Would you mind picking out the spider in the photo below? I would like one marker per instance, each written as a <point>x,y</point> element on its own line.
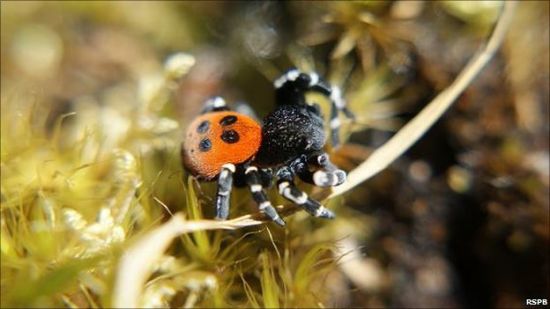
<point>234,149</point>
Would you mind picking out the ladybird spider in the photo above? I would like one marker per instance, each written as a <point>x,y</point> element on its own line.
<point>234,149</point>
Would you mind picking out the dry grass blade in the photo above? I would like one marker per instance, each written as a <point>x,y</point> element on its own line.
<point>133,269</point>
<point>414,129</point>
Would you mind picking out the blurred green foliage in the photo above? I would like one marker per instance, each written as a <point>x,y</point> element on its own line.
<point>95,95</point>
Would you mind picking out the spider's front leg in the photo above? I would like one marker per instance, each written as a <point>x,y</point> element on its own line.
<point>317,169</point>
<point>214,104</point>
<point>287,188</point>
<point>225,184</point>
<point>258,194</point>
<point>291,87</point>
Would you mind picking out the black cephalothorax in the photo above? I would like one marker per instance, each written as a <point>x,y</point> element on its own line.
<point>290,131</point>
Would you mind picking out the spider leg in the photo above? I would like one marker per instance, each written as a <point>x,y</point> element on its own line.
<point>258,194</point>
<point>214,104</point>
<point>291,87</point>
<point>321,172</point>
<point>334,124</point>
<point>245,108</point>
<point>225,183</point>
<point>288,190</point>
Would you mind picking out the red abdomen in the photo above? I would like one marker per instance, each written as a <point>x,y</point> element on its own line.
<point>217,138</point>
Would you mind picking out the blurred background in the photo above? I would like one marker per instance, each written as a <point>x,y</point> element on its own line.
<point>95,97</point>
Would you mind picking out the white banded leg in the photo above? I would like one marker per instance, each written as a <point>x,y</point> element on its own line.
<point>334,124</point>
<point>225,184</point>
<point>291,88</point>
<point>259,196</point>
<point>321,172</point>
<point>328,175</point>
<point>312,82</point>
<point>214,104</point>
<point>338,100</point>
<point>338,104</point>
<point>290,76</point>
<point>245,108</point>
<point>325,178</point>
<point>288,190</point>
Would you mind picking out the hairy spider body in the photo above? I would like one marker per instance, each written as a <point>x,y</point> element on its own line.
<point>288,132</point>
<point>232,148</point>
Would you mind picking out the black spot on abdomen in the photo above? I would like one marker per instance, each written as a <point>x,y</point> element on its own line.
<point>205,145</point>
<point>228,120</point>
<point>203,126</point>
<point>230,136</point>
